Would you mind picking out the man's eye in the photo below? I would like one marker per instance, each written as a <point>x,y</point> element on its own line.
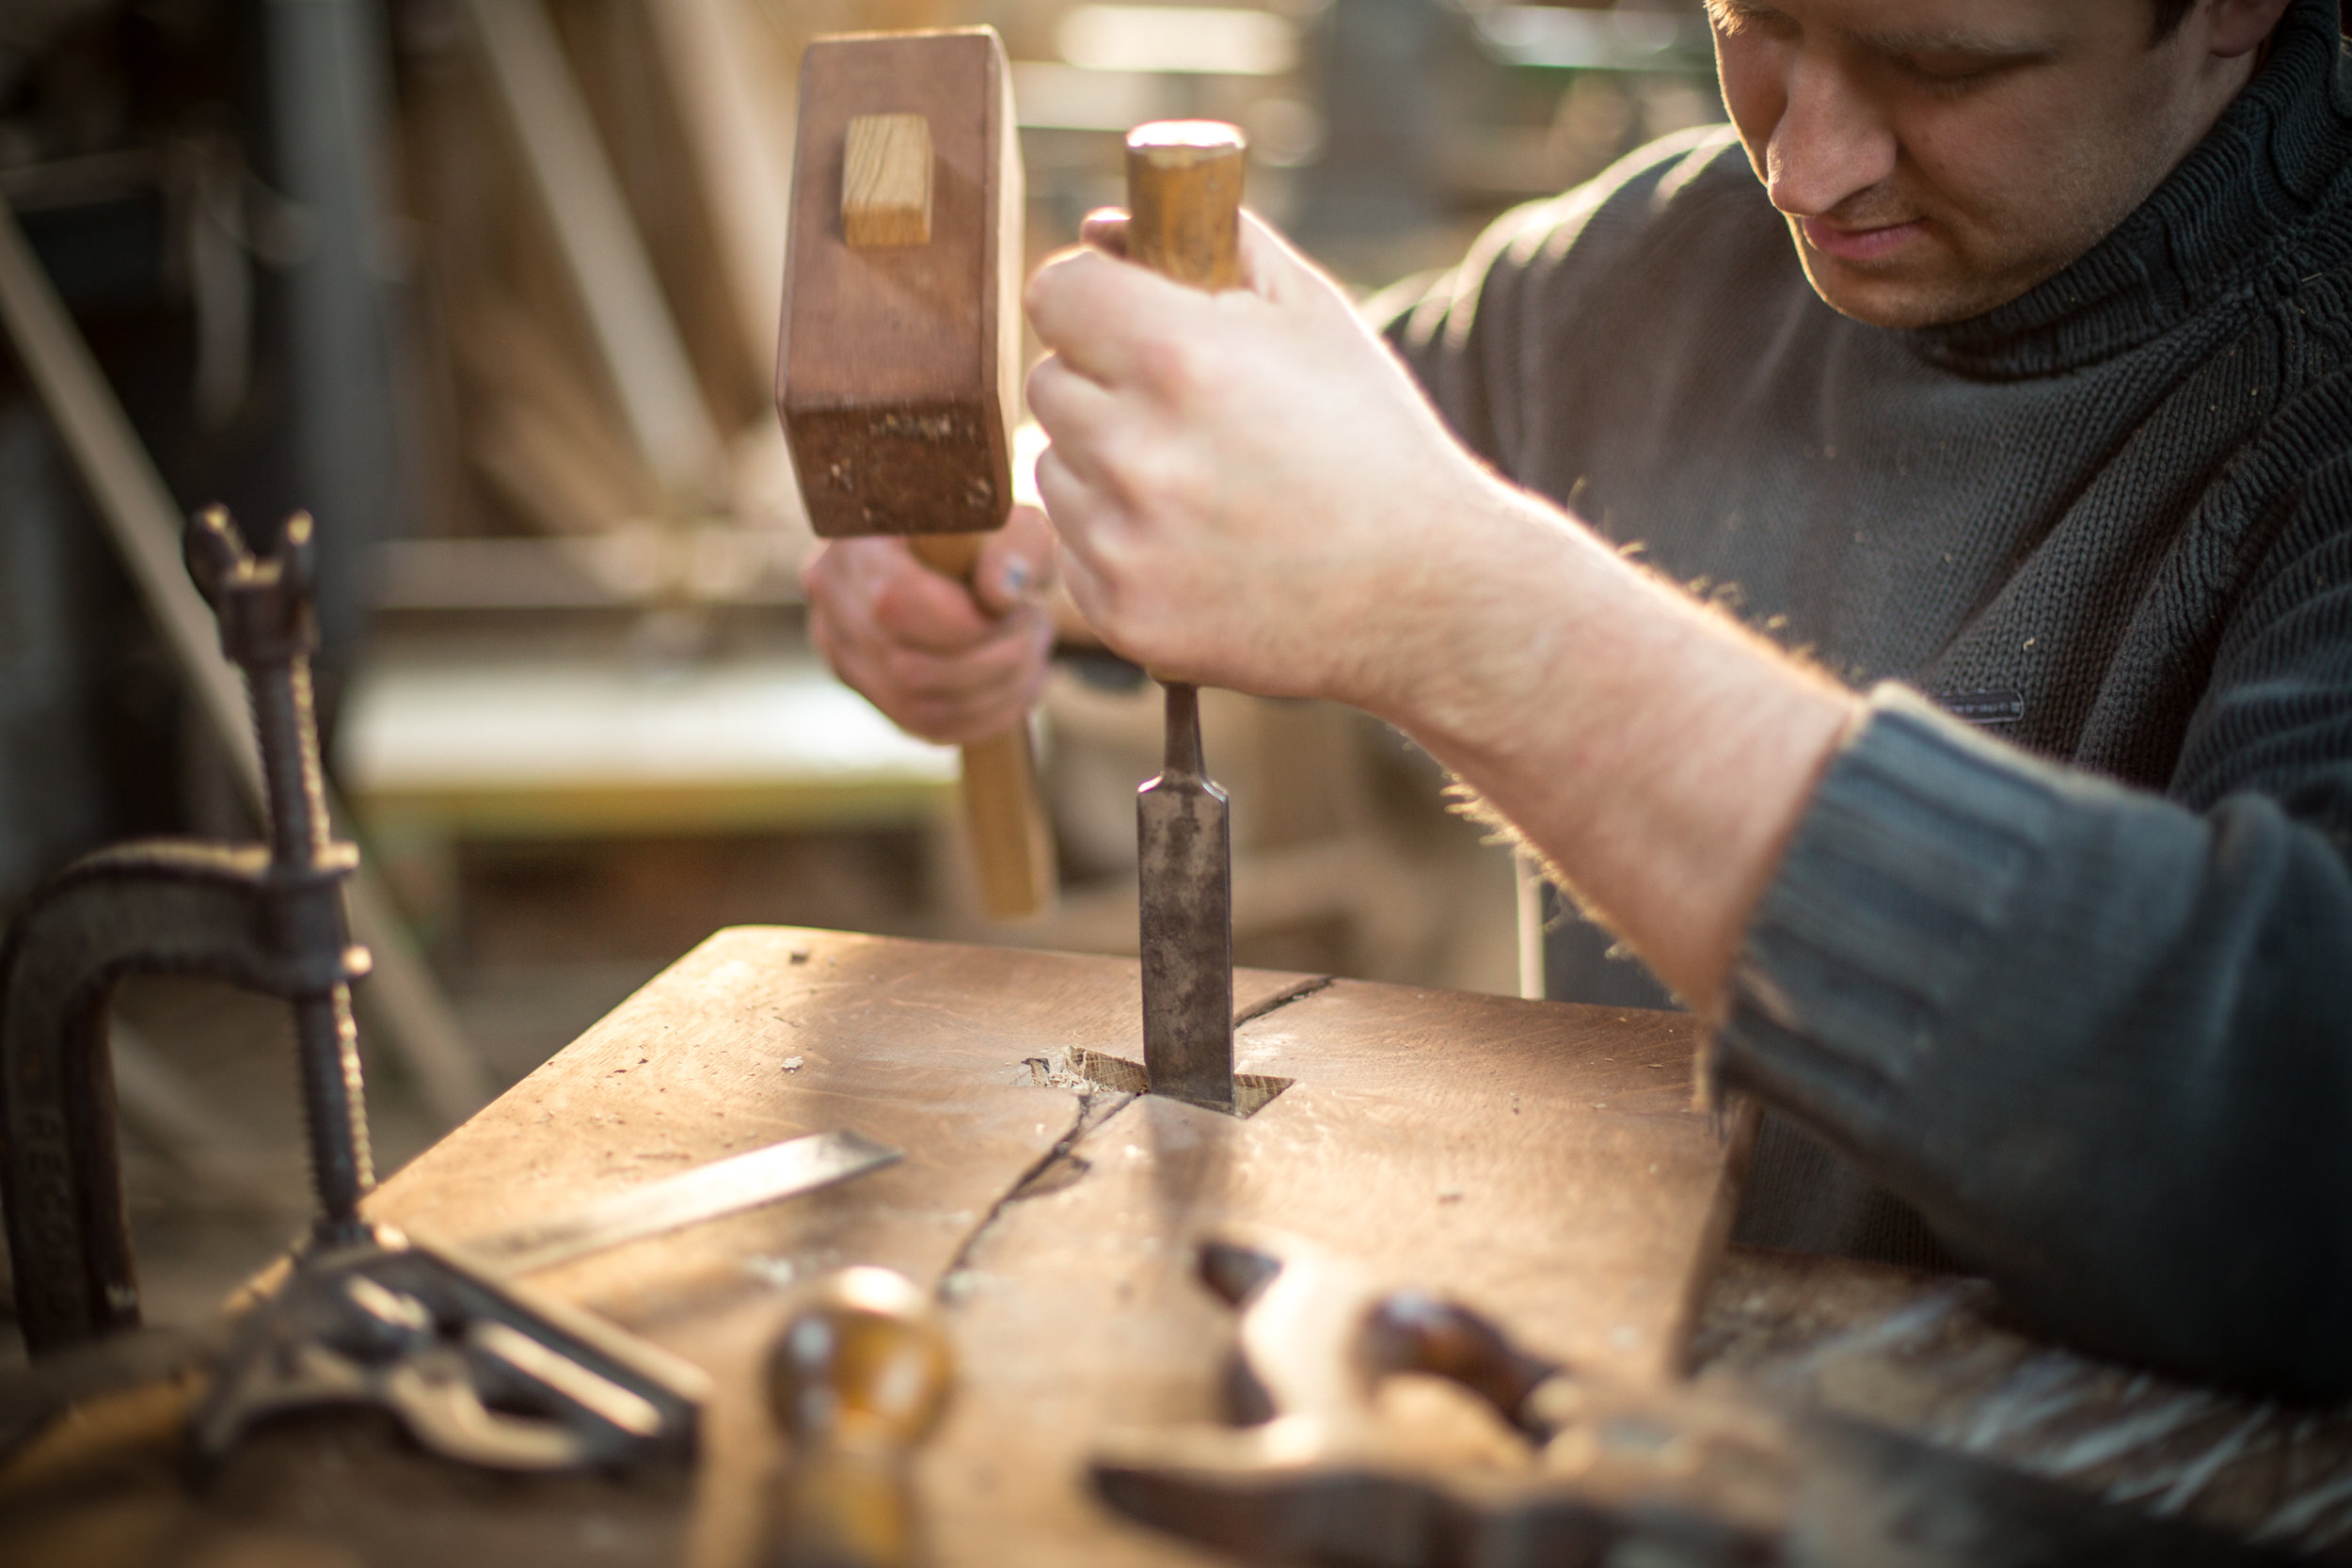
<point>1947,69</point>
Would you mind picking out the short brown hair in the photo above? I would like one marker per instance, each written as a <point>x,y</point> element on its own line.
<point>2169,15</point>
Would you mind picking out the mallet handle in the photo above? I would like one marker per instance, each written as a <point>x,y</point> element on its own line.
<point>1013,841</point>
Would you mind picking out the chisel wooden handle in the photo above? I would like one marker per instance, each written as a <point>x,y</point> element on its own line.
<point>1012,840</point>
<point>859,1378</point>
<point>1184,200</point>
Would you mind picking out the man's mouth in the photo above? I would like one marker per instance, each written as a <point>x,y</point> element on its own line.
<point>1859,243</point>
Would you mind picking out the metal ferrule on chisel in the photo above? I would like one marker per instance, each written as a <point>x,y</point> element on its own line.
<point>1186,843</point>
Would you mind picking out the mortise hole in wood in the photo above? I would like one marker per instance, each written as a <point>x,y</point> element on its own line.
<point>1086,1071</point>
<point>886,181</point>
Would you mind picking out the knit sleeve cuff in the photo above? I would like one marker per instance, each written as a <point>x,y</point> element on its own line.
<point>1889,904</point>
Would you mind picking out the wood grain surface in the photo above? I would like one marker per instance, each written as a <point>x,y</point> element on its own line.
<point>887,181</point>
<point>1184,200</point>
<point>1540,1160</point>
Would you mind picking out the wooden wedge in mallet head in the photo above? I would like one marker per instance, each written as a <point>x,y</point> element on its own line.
<point>897,371</point>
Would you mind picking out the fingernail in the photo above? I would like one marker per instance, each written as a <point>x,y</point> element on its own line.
<point>1018,576</point>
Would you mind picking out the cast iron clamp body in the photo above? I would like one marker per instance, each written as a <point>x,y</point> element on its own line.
<point>476,1368</point>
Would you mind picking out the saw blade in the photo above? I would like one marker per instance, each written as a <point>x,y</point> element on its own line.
<point>723,1187</point>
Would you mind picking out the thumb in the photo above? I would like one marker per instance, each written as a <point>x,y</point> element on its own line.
<point>1017,565</point>
<point>1106,229</point>
<point>1276,269</point>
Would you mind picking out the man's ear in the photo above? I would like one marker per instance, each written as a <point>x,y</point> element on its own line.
<point>2235,27</point>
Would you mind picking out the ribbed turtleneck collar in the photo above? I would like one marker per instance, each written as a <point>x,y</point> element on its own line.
<point>2261,170</point>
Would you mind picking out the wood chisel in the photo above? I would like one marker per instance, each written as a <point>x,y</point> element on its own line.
<point>898,371</point>
<point>1184,203</point>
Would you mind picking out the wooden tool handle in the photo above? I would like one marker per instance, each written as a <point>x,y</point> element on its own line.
<point>1012,840</point>
<point>1184,200</point>
<point>1183,205</point>
<point>858,1380</point>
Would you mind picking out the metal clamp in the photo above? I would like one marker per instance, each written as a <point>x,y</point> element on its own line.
<point>478,1370</point>
<point>268,918</point>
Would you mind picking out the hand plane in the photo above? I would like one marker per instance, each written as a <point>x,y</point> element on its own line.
<point>1311,1469</point>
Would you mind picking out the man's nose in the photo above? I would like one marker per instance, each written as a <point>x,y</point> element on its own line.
<point>1832,142</point>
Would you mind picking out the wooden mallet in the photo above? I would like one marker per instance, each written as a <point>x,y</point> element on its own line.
<point>899,367</point>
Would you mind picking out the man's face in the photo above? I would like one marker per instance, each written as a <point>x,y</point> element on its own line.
<point>1936,158</point>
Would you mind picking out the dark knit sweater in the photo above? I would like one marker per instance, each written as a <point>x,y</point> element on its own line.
<point>2076,984</point>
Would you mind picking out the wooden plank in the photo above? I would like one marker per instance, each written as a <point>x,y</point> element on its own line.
<point>919,1045</point>
<point>732,99</point>
<point>1542,1160</point>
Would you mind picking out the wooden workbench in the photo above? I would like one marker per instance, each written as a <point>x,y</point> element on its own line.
<point>1542,1160</point>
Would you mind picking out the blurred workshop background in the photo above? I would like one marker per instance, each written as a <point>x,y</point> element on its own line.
<point>491,288</point>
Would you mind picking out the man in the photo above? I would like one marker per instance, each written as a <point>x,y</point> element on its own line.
<point>2046,412</point>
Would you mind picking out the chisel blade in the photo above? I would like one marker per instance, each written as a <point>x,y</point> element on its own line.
<point>723,1187</point>
<point>1186,864</point>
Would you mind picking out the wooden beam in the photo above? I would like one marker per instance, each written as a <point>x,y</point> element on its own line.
<point>635,333</point>
<point>735,106</point>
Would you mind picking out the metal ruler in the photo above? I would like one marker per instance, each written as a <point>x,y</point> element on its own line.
<point>723,1187</point>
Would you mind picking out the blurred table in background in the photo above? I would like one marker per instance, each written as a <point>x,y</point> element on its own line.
<point>575,748</point>
<point>435,749</point>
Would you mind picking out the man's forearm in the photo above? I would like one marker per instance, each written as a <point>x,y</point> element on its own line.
<point>1656,753</point>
